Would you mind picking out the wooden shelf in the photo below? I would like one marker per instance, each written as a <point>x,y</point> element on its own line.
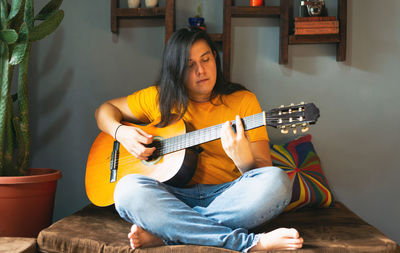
<point>338,39</point>
<point>231,11</point>
<point>261,11</point>
<point>286,23</point>
<point>314,39</point>
<point>167,13</point>
<point>285,14</point>
<point>156,12</point>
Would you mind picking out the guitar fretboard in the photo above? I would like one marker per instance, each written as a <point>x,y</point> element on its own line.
<point>204,135</point>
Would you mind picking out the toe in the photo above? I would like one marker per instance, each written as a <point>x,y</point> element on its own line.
<point>134,228</point>
<point>132,244</point>
<point>293,233</point>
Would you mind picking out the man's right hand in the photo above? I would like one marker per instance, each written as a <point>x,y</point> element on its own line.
<point>134,140</point>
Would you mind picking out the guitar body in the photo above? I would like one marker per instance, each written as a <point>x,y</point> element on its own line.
<point>173,161</point>
<point>175,168</point>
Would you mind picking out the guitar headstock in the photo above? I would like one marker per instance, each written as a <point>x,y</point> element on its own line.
<point>293,116</point>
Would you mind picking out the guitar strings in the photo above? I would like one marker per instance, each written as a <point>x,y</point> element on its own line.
<point>161,150</point>
<point>180,142</point>
<point>176,143</point>
<point>198,137</point>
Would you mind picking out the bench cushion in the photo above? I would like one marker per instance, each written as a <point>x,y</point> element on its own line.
<point>96,229</point>
<point>300,161</point>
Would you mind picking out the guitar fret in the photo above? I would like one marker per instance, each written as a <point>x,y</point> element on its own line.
<point>180,142</point>
<point>192,139</point>
<point>196,137</point>
<point>187,140</point>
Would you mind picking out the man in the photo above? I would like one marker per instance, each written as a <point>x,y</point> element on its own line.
<point>234,188</point>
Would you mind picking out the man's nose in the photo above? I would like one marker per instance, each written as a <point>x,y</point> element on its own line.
<point>200,69</point>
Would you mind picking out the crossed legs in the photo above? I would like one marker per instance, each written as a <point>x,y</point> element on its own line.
<point>161,216</point>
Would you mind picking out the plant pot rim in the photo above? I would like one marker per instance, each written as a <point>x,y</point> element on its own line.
<point>36,175</point>
<point>196,18</point>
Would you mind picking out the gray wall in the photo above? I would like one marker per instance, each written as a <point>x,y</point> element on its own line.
<point>83,64</point>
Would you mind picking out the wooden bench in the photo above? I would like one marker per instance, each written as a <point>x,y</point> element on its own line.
<point>95,229</point>
<point>17,245</point>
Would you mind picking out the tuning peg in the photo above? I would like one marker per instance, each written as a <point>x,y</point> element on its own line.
<point>284,130</point>
<point>302,103</point>
<point>292,104</point>
<point>294,130</point>
<point>282,106</point>
<point>304,129</point>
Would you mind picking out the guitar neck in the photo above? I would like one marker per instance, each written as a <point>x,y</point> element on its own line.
<point>206,134</point>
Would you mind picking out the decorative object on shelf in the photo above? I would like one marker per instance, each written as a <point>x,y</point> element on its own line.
<point>151,3</point>
<point>197,20</point>
<point>316,25</point>
<point>312,8</point>
<point>134,3</point>
<point>24,211</point>
<point>256,2</point>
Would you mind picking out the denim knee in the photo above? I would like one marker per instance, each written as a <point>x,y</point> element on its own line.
<point>130,192</point>
<point>272,187</point>
<point>282,185</point>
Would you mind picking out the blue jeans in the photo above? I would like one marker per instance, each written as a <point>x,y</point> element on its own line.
<point>212,215</point>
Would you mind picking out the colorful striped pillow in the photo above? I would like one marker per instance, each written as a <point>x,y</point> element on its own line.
<point>300,161</point>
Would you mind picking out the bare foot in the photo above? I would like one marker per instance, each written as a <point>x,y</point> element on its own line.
<point>281,238</point>
<point>138,237</point>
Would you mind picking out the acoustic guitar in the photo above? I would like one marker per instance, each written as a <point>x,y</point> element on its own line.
<point>175,157</point>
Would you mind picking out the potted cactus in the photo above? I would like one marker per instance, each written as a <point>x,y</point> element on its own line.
<point>34,187</point>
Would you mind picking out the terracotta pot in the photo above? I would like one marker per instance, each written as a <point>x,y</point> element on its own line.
<point>27,202</point>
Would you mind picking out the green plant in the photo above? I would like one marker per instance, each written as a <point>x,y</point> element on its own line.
<point>198,9</point>
<point>17,32</point>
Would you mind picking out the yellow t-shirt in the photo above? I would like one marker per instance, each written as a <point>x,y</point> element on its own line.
<point>213,166</point>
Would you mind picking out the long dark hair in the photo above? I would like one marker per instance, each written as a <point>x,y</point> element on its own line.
<point>172,93</point>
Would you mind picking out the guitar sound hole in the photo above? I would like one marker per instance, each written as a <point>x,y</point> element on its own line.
<point>156,156</point>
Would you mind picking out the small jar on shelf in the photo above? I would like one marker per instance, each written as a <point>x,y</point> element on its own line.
<point>133,3</point>
<point>151,3</point>
<point>256,3</point>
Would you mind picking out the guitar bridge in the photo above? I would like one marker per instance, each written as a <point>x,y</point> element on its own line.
<point>114,162</point>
